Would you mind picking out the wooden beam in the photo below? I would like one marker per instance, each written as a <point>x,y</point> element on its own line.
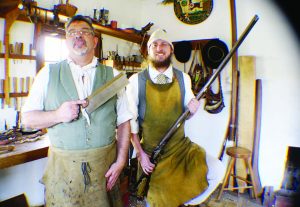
<point>234,72</point>
<point>45,15</point>
<point>8,5</point>
<point>246,109</point>
<point>257,128</point>
<point>9,20</point>
<point>38,45</point>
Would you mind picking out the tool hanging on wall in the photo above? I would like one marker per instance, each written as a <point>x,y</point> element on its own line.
<point>214,101</point>
<point>196,71</point>
<point>200,69</point>
<point>214,51</point>
<point>191,70</point>
<point>200,73</point>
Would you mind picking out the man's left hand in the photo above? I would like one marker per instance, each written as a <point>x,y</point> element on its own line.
<point>193,105</point>
<point>112,175</point>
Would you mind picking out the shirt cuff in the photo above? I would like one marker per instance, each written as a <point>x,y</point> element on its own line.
<point>134,126</point>
<point>125,116</point>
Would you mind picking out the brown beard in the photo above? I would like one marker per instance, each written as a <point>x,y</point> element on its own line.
<point>160,64</point>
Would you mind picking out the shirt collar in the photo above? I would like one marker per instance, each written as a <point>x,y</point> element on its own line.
<point>93,64</point>
<point>153,72</point>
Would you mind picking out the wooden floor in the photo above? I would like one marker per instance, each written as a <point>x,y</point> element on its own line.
<point>229,199</point>
<point>233,199</point>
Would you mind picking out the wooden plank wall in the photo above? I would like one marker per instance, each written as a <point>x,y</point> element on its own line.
<point>246,109</point>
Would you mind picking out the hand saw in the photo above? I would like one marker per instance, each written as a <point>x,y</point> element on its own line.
<point>105,92</point>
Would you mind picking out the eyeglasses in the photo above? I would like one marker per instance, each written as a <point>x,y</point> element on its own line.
<point>154,45</point>
<point>84,32</point>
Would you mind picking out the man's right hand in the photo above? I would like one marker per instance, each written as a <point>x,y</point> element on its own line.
<point>69,110</point>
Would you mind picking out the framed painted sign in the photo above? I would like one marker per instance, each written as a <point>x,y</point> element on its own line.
<point>193,11</point>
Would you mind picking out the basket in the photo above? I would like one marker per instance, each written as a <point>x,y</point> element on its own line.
<point>66,9</point>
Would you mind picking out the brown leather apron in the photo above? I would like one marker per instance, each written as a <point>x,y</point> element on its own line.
<point>75,178</point>
<point>180,174</point>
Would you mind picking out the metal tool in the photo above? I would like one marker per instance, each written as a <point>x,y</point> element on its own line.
<point>105,92</point>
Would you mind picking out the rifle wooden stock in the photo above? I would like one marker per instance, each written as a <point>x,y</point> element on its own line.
<point>145,179</point>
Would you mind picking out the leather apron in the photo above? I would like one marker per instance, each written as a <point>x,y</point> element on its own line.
<point>66,178</point>
<point>181,172</point>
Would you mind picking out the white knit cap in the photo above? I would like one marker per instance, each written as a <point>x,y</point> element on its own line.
<point>159,34</point>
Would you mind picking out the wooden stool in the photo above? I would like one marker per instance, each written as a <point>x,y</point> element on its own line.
<point>235,153</point>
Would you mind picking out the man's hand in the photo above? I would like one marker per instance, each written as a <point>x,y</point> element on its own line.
<point>145,163</point>
<point>69,110</point>
<point>112,175</point>
<point>116,168</point>
<point>39,119</point>
<point>193,105</point>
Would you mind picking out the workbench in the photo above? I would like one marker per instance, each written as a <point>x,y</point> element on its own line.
<point>25,152</point>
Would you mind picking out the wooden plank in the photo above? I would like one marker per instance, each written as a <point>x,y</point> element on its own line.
<point>38,45</point>
<point>234,76</point>
<point>256,141</point>
<point>232,127</point>
<point>246,110</point>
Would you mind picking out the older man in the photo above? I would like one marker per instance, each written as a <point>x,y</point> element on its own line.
<point>85,158</point>
<point>159,95</point>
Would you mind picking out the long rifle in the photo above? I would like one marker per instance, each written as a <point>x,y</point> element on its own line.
<point>142,184</point>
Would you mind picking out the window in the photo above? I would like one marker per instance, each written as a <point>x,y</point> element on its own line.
<point>55,49</point>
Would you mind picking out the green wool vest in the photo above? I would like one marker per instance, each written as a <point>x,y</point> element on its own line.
<point>77,134</point>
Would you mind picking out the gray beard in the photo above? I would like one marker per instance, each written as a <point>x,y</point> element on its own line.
<point>81,52</point>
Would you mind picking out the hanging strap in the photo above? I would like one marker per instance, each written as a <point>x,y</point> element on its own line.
<point>191,70</point>
<point>214,101</point>
<point>86,169</point>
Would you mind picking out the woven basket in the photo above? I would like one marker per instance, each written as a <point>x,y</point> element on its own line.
<point>66,9</point>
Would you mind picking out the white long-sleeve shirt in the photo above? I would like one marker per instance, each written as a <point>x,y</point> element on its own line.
<point>38,91</point>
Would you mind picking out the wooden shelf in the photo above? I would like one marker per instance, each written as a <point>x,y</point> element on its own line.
<point>14,95</point>
<point>134,66</point>
<point>46,15</point>
<point>21,57</point>
<point>119,33</point>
